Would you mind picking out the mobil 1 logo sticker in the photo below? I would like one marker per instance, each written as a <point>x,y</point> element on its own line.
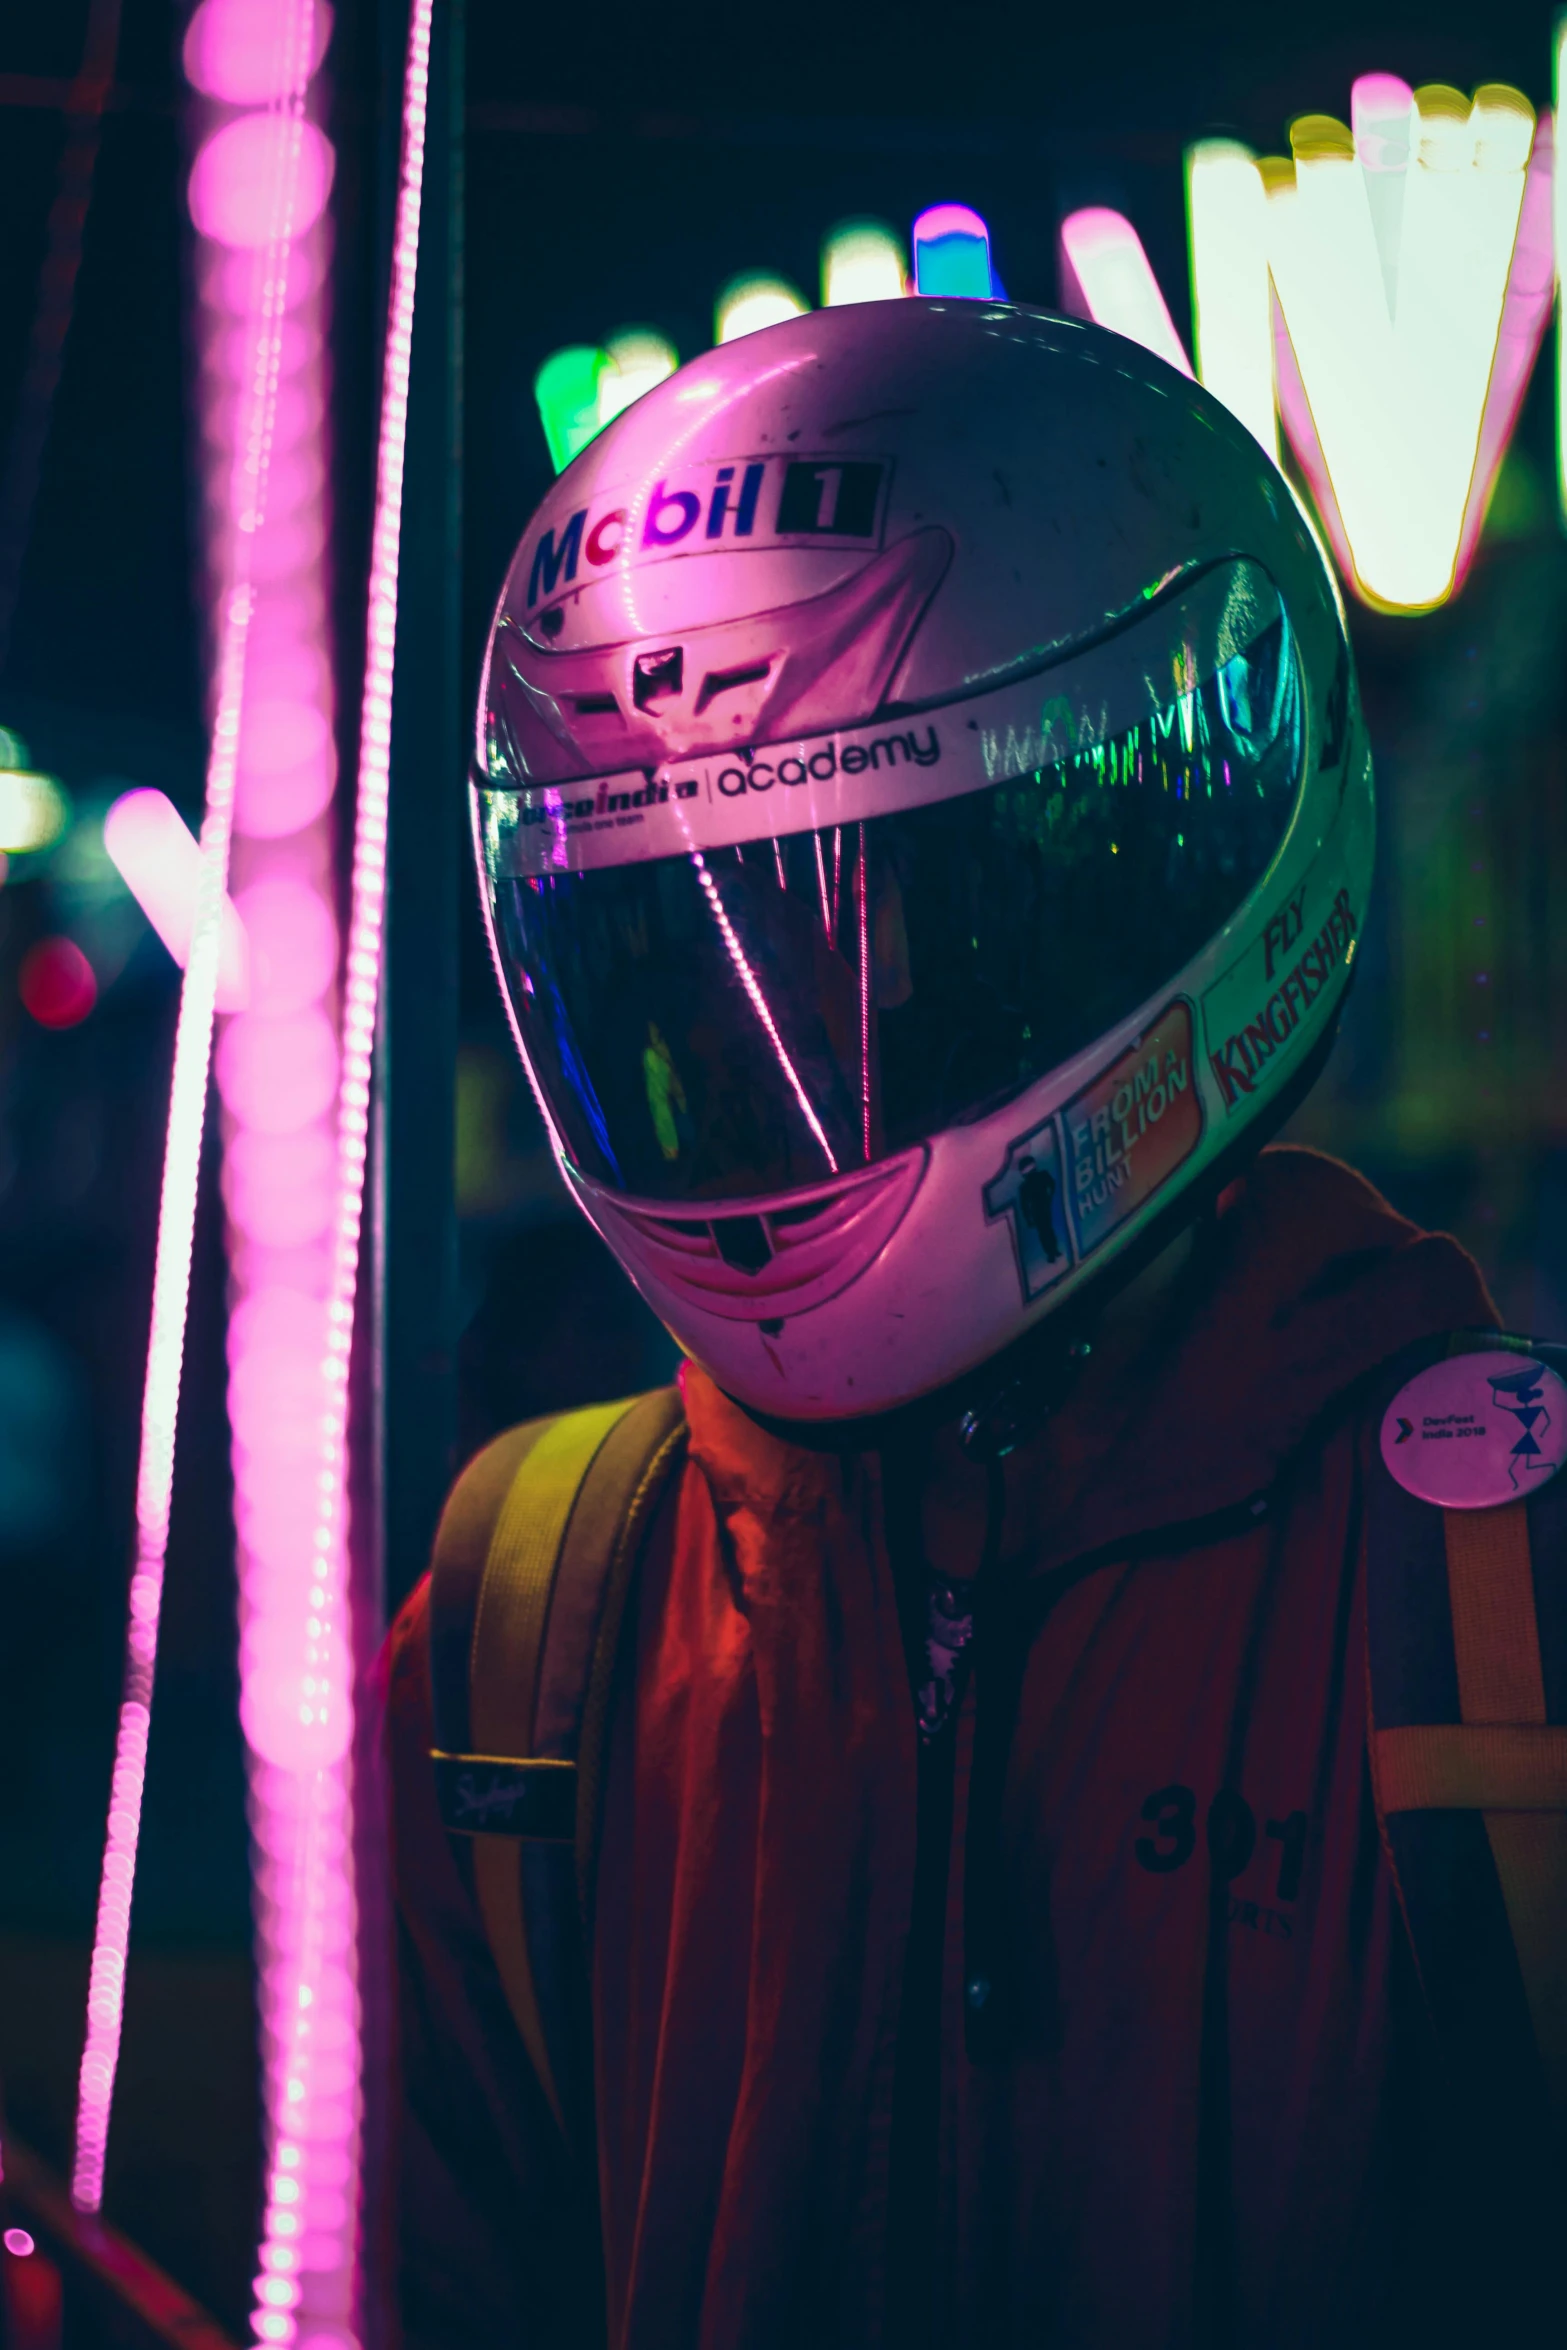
<point>714,506</point>
<point>832,497</point>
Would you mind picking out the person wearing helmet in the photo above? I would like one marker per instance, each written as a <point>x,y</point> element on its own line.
<point>925,827</point>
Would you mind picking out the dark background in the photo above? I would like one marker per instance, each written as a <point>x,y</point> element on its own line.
<point>621,165</point>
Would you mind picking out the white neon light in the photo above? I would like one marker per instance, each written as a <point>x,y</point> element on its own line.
<point>862,261</point>
<point>1394,302</point>
<point>34,811</point>
<point>1232,298</point>
<point>159,860</point>
<point>754,301</point>
<point>273,204</point>
<point>1382,127</point>
<point>1110,279</point>
<point>637,359</point>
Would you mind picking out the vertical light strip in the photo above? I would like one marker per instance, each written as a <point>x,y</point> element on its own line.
<point>274,194</point>
<point>313,2062</point>
<point>277,1068</point>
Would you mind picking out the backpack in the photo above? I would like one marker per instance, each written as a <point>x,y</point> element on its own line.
<point>536,1555</point>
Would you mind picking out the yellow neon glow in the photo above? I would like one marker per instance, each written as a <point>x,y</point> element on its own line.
<point>1232,299</point>
<point>635,360</point>
<point>34,811</point>
<point>1559,203</point>
<point>1390,248</point>
<point>1105,254</point>
<point>862,261</point>
<point>753,301</point>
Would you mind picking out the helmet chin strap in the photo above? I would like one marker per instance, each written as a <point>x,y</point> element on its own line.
<point>1004,1400</point>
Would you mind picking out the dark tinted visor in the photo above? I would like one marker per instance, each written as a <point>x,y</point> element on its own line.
<point>737,1021</point>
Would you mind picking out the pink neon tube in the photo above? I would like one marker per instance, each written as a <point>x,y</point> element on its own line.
<point>295,1098</point>
<point>274,194</point>
<point>313,2179</point>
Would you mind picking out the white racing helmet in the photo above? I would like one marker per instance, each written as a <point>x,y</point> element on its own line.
<point>925,823</point>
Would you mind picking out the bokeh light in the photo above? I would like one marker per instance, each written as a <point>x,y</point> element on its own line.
<point>566,392</point>
<point>34,811</point>
<point>1106,276</point>
<point>158,859</point>
<point>755,300</point>
<point>635,360</point>
<point>862,261</point>
<point>234,49</point>
<point>261,284</point>
<point>234,175</point>
<point>57,983</point>
<point>952,254</point>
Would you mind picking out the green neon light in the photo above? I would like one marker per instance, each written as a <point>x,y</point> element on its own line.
<point>567,391</point>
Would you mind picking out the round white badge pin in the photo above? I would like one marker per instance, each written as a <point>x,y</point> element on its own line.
<point>1477,1430</point>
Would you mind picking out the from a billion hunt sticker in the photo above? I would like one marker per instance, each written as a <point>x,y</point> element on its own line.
<point>1477,1430</point>
<point>1131,1128</point>
<point>1071,1180</point>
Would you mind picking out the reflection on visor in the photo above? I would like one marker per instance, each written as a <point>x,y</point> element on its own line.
<point>739,1021</point>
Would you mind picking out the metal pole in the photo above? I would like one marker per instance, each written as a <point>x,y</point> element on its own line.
<point>410,1381</point>
<point>415,1233</point>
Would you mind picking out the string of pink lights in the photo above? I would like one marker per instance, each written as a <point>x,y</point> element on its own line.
<point>277,1073</point>
<point>276,196</point>
<point>295,1112</point>
<point>314,2047</point>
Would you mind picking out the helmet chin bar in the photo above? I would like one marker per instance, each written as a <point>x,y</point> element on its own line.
<point>1000,1402</point>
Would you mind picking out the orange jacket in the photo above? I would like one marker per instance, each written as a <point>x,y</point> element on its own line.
<point>1194,2128</point>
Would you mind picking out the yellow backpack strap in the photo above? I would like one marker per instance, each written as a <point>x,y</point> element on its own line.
<point>1503,1757</point>
<point>533,1561</point>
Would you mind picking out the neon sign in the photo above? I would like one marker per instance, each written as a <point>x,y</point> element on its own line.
<point>1383,291</point>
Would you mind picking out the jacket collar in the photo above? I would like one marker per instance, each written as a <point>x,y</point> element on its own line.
<point>1302,1286</point>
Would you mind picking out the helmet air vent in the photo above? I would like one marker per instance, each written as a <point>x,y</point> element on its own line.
<point>723,681</point>
<point>742,1242</point>
<point>779,1257</point>
<point>653,675</point>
